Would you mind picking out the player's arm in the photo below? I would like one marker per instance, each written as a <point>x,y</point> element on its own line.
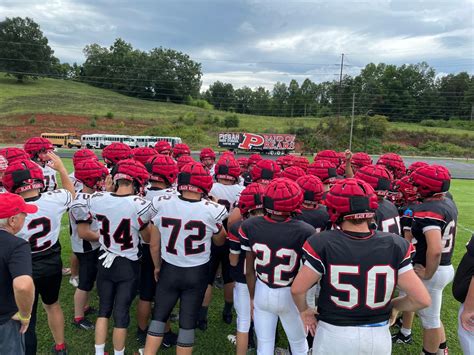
<point>58,165</point>
<point>219,237</point>
<point>155,249</point>
<point>234,216</point>
<point>417,296</point>
<point>85,232</point>
<point>147,231</point>
<point>250,275</point>
<point>305,279</point>
<point>467,315</point>
<point>433,253</point>
<point>348,168</point>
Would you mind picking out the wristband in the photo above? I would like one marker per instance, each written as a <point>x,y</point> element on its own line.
<point>23,319</point>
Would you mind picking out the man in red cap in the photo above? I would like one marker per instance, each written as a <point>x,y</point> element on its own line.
<point>17,291</point>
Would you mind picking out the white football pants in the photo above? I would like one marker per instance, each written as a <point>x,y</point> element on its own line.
<point>465,338</point>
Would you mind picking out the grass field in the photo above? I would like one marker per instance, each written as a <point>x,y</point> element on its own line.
<point>214,340</point>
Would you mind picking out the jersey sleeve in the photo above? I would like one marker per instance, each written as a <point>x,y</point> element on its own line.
<point>80,211</point>
<point>312,251</point>
<point>233,238</point>
<point>406,253</point>
<point>145,211</point>
<point>243,237</point>
<point>62,197</point>
<point>218,213</point>
<point>429,220</point>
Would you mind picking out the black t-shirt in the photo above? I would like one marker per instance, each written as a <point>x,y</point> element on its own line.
<point>435,214</point>
<point>278,247</point>
<point>359,272</point>
<point>236,272</point>
<point>464,273</point>
<point>317,217</point>
<point>15,260</point>
<point>387,218</point>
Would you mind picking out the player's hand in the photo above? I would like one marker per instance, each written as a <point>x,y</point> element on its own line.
<point>55,162</point>
<point>467,320</point>
<point>348,155</point>
<point>109,183</point>
<point>420,271</point>
<point>157,273</point>
<point>308,317</point>
<point>393,316</point>
<point>24,322</point>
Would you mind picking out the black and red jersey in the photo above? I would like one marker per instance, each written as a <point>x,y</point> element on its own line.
<point>278,247</point>
<point>236,272</point>
<point>464,273</point>
<point>317,217</point>
<point>439,214</point>
<point>359,272</point>
<point>387,218</point>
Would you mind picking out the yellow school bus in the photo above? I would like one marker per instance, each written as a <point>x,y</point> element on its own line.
<point>62,139</point>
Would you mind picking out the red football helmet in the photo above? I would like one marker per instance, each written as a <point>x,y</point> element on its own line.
<point>183,160</point>
<point>181,149</point>
<point>324,170</point>
<point>36,147</point>
<point>91,173</point>
<point>207,153</point>
<point>163,147</point>
<point>282,196</point>
<point>3,164</point>
<point>293,173</point>
<point>376,176</point>
<point>351,199</point>
<point>329,155</point>
<point>13,154</point>
<point>301,162</point>
<point>132,170</point>
<point>264,171</point>
<point>405,192</point>
<point>194,177</point>
<point>313,189</point>
<point>227,168</point>
<point>115,152</point>
<point>254,159</point>
<point>162,168</point>
<point>23,175</point>
<point>251,198</point>
<point>430,180</point>
<point>394,163</point>
<point>359,160</point>
<point>81,155</point>
<point>341,169</point>
<point>416,165</point>
<point>143,154</point>
<point>244,164</point>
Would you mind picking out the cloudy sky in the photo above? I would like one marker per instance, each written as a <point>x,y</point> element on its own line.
<point>251,42</point>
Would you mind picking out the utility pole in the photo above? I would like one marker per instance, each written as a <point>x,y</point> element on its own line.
<point>340,88</point>
<point>352,121</point>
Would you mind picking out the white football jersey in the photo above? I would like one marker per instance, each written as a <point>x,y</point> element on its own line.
<point>151,193</point>
<point>187,228</point>
<point>120,220</point>
<point>50,181</point>
<point>78,186</point>
<point>41,229</point>
<point>227,195</point>
<point>79,212</point>
<point>212,170</point>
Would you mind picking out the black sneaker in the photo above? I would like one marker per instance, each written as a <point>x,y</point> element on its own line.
<point>399,338</point>
<point>398,323</point>
<point>58,352</point>
<point>174,317</point>
<point>169,339</point>
<point>227,317</point>
<point>84,324</point>
<point>141,337</point>
<point>202,324</point>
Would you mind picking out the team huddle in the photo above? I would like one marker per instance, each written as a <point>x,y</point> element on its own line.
<point>337,250</point>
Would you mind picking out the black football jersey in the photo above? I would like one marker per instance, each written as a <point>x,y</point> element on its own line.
<point>387,218</point>
<point>236,272</point>
<point>278,247</point>
<point>464,273</point>
<point>359,272</point>
<point>436,214</point>
<point>317,217</point>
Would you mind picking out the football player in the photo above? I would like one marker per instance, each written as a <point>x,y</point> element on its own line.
<point>180,149</point>
<point>358,269</point>
<point>225,191</point>
<point>245,178</point>
<point>253,160</point>
<point>359,160</point>
<point>463,291</point>
<point>163,173</point>
<point>84,235</point>
<point>386,215</point>
<point>208,159</point>
<point>416,165</point>
<point>394,163</point>
<point>12,154</point>
<point>183,160</point>
<point>312,211</point>
<point>120,232</point>
<point>325,171</point>
<point>181,253</point>
<point>434,229</point>
<point>301,162</point>
<point>3,167</point>
<point>293,173</point>
<point>41,230</point>
<point>250,205</point>
<point>329,155</point>
<point>38,149</point>
<point>273,245</point>
<point>163,147</point>
<point>115,152</point>
<point>143,154</point>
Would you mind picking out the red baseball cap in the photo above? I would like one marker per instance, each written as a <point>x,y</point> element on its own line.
<point>12,204</point>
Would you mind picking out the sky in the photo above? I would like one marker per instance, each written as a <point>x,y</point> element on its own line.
<point>257,43</point>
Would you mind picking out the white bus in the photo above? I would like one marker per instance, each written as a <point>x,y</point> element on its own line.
<point>100,141</point>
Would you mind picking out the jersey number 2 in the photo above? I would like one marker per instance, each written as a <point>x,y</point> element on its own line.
<point>45,223</point>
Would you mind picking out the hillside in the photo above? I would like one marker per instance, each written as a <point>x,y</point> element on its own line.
<point>59,105</point>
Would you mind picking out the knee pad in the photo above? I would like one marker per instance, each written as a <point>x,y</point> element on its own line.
<point>156,328</point>
<point>185,337</point>
<point>243,324</point>
<point>429,321</point>
<point>104,311</point>
<point>121,317</point>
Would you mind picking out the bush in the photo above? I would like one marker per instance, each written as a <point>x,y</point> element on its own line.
<point>212,120</point>
<point>93,122</point>
<point>109,115</point>
<point>32,120</point>
<point>429,123</point>
<point>231,121</point>
<point>95,117</point>
<point>121,124</point>
<point>199,103</point>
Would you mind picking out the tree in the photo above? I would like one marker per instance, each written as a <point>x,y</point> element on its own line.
<point>221,95</point>
<point>294,96</point>
<point>243,100</point>
<point>280,99</point>
<point>24,49</point>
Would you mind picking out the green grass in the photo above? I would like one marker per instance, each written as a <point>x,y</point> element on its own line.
<point>404,126</point>
<point>214,340</point>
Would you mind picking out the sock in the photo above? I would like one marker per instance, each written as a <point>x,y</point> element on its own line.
<point>99,349</point>
<point>425,352</point>
<point>119,352</point>
<point>406,332</point>
<point>60,347</point>
<point>203,313</point>
<point>78,319</point>
<point>443,346</point>
<point>228,307</point>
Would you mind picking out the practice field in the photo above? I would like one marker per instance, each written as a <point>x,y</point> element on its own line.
<point>214,340</point>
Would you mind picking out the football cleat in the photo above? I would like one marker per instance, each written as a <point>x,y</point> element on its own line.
<point>83,324</point>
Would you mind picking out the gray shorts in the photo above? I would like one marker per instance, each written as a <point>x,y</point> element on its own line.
<point>11,341</point>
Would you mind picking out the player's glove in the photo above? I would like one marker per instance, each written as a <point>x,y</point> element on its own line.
<point>108,259</point>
